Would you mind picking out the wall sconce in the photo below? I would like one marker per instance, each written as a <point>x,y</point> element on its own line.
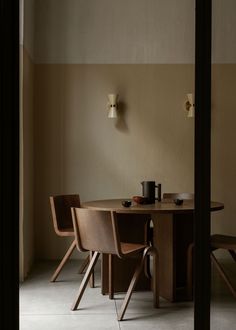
<point>112,105</point>
<point>189,105</point>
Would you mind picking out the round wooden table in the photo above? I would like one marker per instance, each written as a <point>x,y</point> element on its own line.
<point>165,206</point>
<point>172,234</point>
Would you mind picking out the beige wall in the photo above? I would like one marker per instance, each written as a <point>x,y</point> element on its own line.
<point>223,146</point>
<point>79,149</point>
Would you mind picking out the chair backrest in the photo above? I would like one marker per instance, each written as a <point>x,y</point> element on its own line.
<point>61,211</point>
<point>96,231</point>
<point>178,195</point>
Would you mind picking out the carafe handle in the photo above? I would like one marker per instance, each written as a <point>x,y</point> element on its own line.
<point>158,186</point>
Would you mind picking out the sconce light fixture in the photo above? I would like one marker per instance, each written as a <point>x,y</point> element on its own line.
<point>112,105</point>
<point>189,105</point>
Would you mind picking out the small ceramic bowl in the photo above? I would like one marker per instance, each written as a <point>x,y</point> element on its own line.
<point>178,201</point>
<point>126,203</point>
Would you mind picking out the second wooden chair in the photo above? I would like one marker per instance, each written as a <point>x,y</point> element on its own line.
<point>218,241</point>
<point>63,226</point>
<point>185,196</point>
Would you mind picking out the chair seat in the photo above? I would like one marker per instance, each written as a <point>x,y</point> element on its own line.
<point>69,230</point>
<point>129,248</point>
<point>223,242</point>
<point>66,232</point>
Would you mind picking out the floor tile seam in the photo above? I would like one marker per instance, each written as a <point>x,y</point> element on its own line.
<point>97,313</point>
<point>64,314</point>
<point>116,308</point>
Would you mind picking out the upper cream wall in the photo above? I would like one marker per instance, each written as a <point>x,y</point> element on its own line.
<point>28,14</point>
<point>114,31</point>
<point>128,31</point>
<point>224,31</point>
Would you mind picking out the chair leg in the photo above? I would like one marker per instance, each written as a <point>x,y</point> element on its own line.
<point>149,241</point>
<point>223,275</point>
<point>85,280</point>
<point>91,279</point>
<point>111,274</point>
<point>190,272</point>
<point>84,265</point>
<point>132,284</point>
<point>155,278</point>
<point>62,263</point>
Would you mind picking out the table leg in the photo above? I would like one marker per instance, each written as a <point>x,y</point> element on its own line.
<point>172,235</point>
<point>163,241</point>
<point>132,228</point>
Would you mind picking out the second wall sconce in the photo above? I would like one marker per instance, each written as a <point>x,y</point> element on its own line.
<point>112,105</point>
<point>189,105</point>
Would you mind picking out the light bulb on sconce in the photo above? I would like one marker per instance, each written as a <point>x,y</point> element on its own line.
<point>189,105</point>
<point>112,105</point>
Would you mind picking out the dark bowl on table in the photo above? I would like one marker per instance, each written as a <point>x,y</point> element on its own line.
<point>126,203</point>
<point>178,201</point>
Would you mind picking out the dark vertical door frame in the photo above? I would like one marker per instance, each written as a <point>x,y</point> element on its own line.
<point>9,164</point>
<point>202,177</point>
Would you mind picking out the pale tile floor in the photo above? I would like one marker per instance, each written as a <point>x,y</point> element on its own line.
<point>45,305</point>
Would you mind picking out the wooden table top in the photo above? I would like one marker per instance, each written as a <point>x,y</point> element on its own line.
<point>165,206</point>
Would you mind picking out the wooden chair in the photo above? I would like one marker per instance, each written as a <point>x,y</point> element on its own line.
<point>185,196</point>
<point>217,242</point>
<point>63,226</point>
<point>97,231</point>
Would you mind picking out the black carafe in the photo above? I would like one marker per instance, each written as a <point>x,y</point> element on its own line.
<point>149,191</point>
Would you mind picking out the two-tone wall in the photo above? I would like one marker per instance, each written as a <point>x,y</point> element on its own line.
<point>144,51</point>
